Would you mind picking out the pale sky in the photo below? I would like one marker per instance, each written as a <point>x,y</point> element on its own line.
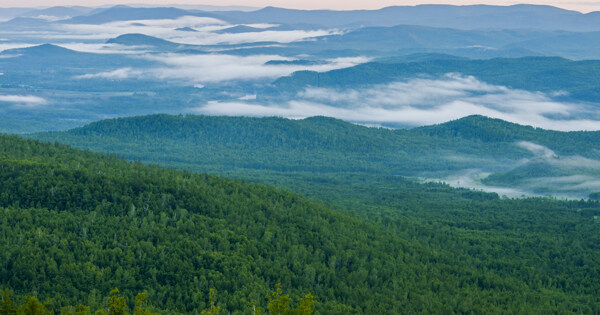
<point>578,5</point>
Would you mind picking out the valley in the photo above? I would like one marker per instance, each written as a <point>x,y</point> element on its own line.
<point>206,159</point>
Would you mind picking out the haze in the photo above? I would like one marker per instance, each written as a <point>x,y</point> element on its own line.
<point>582,6</point>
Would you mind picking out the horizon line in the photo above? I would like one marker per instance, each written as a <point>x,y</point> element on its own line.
<point>256,8</point>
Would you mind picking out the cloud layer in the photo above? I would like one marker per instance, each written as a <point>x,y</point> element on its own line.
<point>23,101</point>
<point>420,102</point>
<point>206,31</point>
<point>210,68</point>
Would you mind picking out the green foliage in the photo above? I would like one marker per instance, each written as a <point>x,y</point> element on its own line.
<point>305,305</point>
<point>213,310</point>
<point>141,305</point>
<point>117,305</point>
<point>7,307</point>
<point>236,146</point>
<point>31,306</point>
<point>34,307</point>
<point>79,309</point>
<point>75,223</point>
<point>279,304</point>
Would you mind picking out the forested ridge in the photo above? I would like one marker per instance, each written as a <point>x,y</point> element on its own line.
<point>76,224</point>
<point>547,74</point>
<point>254,148</point>
<point>316,143</point>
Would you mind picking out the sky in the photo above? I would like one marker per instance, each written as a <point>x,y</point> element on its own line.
<point>578,5</point>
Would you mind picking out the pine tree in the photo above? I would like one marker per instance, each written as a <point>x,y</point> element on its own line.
<point>214,310</point>
<point>117,305</point>
<point>7,307</point>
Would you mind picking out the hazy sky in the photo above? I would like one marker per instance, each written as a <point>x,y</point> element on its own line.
<point>579,5</point>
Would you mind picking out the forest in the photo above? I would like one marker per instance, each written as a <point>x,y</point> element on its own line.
<point>271,150</point>
<point>123,192</point>
<point>77,224</point>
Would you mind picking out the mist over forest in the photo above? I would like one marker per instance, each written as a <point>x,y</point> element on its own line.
<point>193,159</point>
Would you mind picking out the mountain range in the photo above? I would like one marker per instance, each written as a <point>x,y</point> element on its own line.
<point>445,16</point>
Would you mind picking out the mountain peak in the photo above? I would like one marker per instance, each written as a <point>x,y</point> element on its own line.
<point>137,39</point>
<point>479,127</point>
<point>186,29</point>
<point>40,50</point>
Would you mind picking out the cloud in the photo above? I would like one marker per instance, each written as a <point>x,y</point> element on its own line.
<point>52,18</point>
<point>211,68</point>
<point>7,46</point>
<point>247,97</point>
<point>581,174</point>
<point>163,28</point>
<point>118,74</point>
<point>166,29</point>
<point>471,179</point>
<point>23,100</point>
<point>420,101</point>
<point>570,186</point>
<point>100,48</point>
<point>210,38</point>
<point>549,156</point>
<point>536,149</point>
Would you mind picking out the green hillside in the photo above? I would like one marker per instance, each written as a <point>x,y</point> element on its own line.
<point>271,150</point>
<point>76,224</point>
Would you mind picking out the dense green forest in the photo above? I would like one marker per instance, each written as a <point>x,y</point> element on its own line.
<point>115,304</point>
<point>270,150</point>
<point>76,224</point>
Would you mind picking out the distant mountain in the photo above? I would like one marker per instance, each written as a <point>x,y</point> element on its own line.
<point>459,17</point>
<point>200,7</point>
<point>125,13</point>
<point>240,29</point>
<point>10,13</point>
<point>45,50</point>
<point>410,36</point>
<point>24,23</point>
<point>418,57</point>
<point>406,39</point>
<point>571,45</point>
<point>186,29</point>
<point>302,62</point>
<point>547,74</point>
<point>63,61</point>
<point>143,40</point>
<point>58,12</point>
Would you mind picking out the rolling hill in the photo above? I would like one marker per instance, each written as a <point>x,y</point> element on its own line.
<point>77,224</point>
<point>545,74</point>
<point>248,147</point>
<point>403,247</point>
<point>143,40</point>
